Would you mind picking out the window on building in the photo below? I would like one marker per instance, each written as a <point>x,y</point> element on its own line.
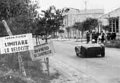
<point>110,23</point>
<point>117,25</point>
<point>114,24</point>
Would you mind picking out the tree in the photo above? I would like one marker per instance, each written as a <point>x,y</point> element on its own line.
<point>68,31</point>
<point>54,18</point>
<point>61,31</point>
<point>90,24</point>
<point>19,14</point>
<point>58,20</point>
<point>106,28</point>
<point>51,21</point>
<point>79,26</point>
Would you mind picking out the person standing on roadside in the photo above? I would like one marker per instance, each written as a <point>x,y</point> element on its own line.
<point>108,36</point>
<point>102,37</point>
<point>93,36</point>
<point>88,37</point>
<point>96,37</point>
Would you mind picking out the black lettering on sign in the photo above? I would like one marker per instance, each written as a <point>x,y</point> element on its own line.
<point>12,49</point>
<point>48,52</point>
<point>19,43</point>
<point>35,55</point>
<point>41,49</point>
<point>21,48</point>
<point>46,48</point>
<point>26,48</point>
<point>15,43</point>
<point>6,50</point>
<point>17,36</point>
<point>26,42</point>
<point>9,44</point>
<point>5,44</point>
<point>35,50</point>
<point>45,53</point>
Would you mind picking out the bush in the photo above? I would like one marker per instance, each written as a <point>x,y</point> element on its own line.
<point>113,44</point>
<point>33,69</point>
<point>11,79</point>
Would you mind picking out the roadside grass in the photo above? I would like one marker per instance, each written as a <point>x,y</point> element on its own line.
<point>113,44</point>
<point>9,70</point>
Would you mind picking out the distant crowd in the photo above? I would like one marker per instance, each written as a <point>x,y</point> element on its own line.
<point>101,37</point>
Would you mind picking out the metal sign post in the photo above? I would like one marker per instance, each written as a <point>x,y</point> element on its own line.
<point>47,65</point>
<point>43,51</point>
<point>21,65</point>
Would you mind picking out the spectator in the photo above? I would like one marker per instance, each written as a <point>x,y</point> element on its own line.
<point>114,36</point>
<point>108,36</point>
<point>102,37</point>
<point>93,36</point>
<point>99,38</point>
<point>96,36</point>
<point>88,36</point>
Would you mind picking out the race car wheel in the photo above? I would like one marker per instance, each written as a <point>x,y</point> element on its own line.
<point>103,51</point>
<point>77,51</point>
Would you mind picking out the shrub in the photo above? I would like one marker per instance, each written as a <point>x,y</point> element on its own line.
<point>113,44</point>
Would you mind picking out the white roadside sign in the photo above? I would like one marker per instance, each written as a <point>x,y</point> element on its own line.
<point>42,51</point>
<point>16,43</point>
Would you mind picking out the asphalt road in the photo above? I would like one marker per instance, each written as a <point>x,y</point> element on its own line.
<point>86,70</point>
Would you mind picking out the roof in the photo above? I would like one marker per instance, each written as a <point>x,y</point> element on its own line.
<point>92,11</point>
<point>87,11</point>
<point>114,13</point>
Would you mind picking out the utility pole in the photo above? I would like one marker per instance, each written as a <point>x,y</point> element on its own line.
<point>85,2</point>
<point>21,65</point>
<point>85,5</point>
<point>85,15</point>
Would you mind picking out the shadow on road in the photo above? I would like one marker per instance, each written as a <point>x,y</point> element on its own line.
<point>98,56</point>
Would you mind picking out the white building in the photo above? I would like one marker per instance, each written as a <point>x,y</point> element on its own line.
<point>75,15</point>
<point>113,18</point>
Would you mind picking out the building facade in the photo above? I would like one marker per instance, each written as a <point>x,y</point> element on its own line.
<point>113,18</point>
<point>71,16</point>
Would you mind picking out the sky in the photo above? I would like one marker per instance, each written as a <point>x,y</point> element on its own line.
<point>107,5</point>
